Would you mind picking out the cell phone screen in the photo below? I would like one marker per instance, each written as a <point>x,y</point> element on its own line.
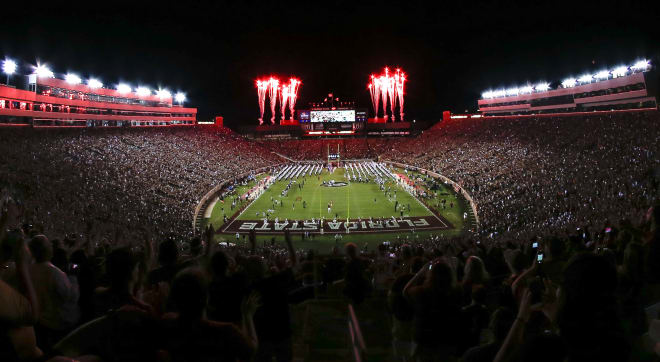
<point>535,245</point>
<point>539,258</point>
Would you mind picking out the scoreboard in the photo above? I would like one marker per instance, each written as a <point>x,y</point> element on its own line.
<point>332,121</point>
<point>347,115</point>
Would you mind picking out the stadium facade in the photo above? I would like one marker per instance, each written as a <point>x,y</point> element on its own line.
<point>620,89</point>
<point>46,101</point>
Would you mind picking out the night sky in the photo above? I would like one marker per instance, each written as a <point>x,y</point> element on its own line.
<point>214,51</point>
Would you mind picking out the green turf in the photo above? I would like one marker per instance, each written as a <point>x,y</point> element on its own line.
<point>353,201</point>
<point>357,200</point>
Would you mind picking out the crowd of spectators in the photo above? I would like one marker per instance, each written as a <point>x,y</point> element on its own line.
<point>565,267</point>
<point>156,176</point>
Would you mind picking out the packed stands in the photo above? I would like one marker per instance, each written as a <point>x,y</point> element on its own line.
<point>583,188</point>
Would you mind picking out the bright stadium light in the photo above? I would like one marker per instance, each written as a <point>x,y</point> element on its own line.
<point>123,88</point>
<point>72,78</point>
<point>143,91</point>
<point>526,89</point>
<point>487,95</point>
<point>94,83</point>
<point>585,78</point>
<point>603,74</point>
<point>180,97</point>
<point>619,71</point>
<point>499,93</point>
<point>640,65</point>
<point>42,71</point>
<point>512,92</point>
<point>163,93</point>
<point>568,83</point>
<point>8,66</point>
<point>542,87</point>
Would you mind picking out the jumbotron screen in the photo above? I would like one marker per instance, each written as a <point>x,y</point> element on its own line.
<point>332,116</point>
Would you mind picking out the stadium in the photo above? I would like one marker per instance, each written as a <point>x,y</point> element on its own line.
<point>328,217</point>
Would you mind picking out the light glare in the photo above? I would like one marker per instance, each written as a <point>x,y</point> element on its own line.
<point>123,88</point>
<point>143,91</point>
<point>180,97</point>
<point>619,71</point>
<point>42,71</point>
<point>569,82</point>
<point>163,93</point>
<point>72,79</point>
<point>8,66</point>
<point>526,89</point>
<point>640,65</point>
<point>542,87</point>
<point>94,83</point>
<point>603,74</point>
<point>585,78</point>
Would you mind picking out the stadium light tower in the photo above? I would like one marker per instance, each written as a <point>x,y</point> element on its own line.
<point>619,71</point>
<point>640,65</point>
<point>8,67</point>
<point>163,93</point>
<point>72,78</point>
<point>123,88</point>
<point>542,87</point>
<point>94,83</point>
<point>43,71</point>
<point>180,97</point>
<point>143,91</point>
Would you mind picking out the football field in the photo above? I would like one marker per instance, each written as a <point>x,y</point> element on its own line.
<point>362,209</point>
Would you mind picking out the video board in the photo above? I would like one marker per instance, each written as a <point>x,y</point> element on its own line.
<point>332,116</point>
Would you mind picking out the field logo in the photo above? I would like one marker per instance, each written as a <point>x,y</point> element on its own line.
<point>381,225</point>
<point>333,183</point>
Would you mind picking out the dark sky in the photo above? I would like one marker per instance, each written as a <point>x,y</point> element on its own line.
<point>214,51</point>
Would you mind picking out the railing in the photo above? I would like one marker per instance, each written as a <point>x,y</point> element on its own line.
<point>358,347</point>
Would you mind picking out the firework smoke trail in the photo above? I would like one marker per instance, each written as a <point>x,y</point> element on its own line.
<point>390,93</point>
<point>293,95</point>
<point>273,88</point>
<point>382,84</point>
<point>262,88</point>
<point>400,79</point>
<point>375,95</point>
<point>284,97</point>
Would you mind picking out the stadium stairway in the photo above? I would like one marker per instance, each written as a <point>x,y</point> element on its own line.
<point>321,330</point>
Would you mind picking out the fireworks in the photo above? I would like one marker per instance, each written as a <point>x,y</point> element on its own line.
<point>273,88</point>
<point>262,88</point>
<point>288,93</point>
<point>387,87</point>
<point>293,95</point>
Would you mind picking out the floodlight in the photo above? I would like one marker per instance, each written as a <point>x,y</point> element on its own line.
<point>640,65</point>
<point>568,82</point>
<point>603,74</point>
<point>42,71</point>
<point>499,93</point>
<point>72,79</point>
<point>512,92</point>
<point>123,88</point>
<point>526,89</point>
<point>585,78</point>
<point>94,83</point>
<point>8,66</point>
<point>143,91</point>
<point>163,93</point>
<point>487,94</point>
<point>619,71</point>
<point>542,87</point>
<point>180,97</point>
